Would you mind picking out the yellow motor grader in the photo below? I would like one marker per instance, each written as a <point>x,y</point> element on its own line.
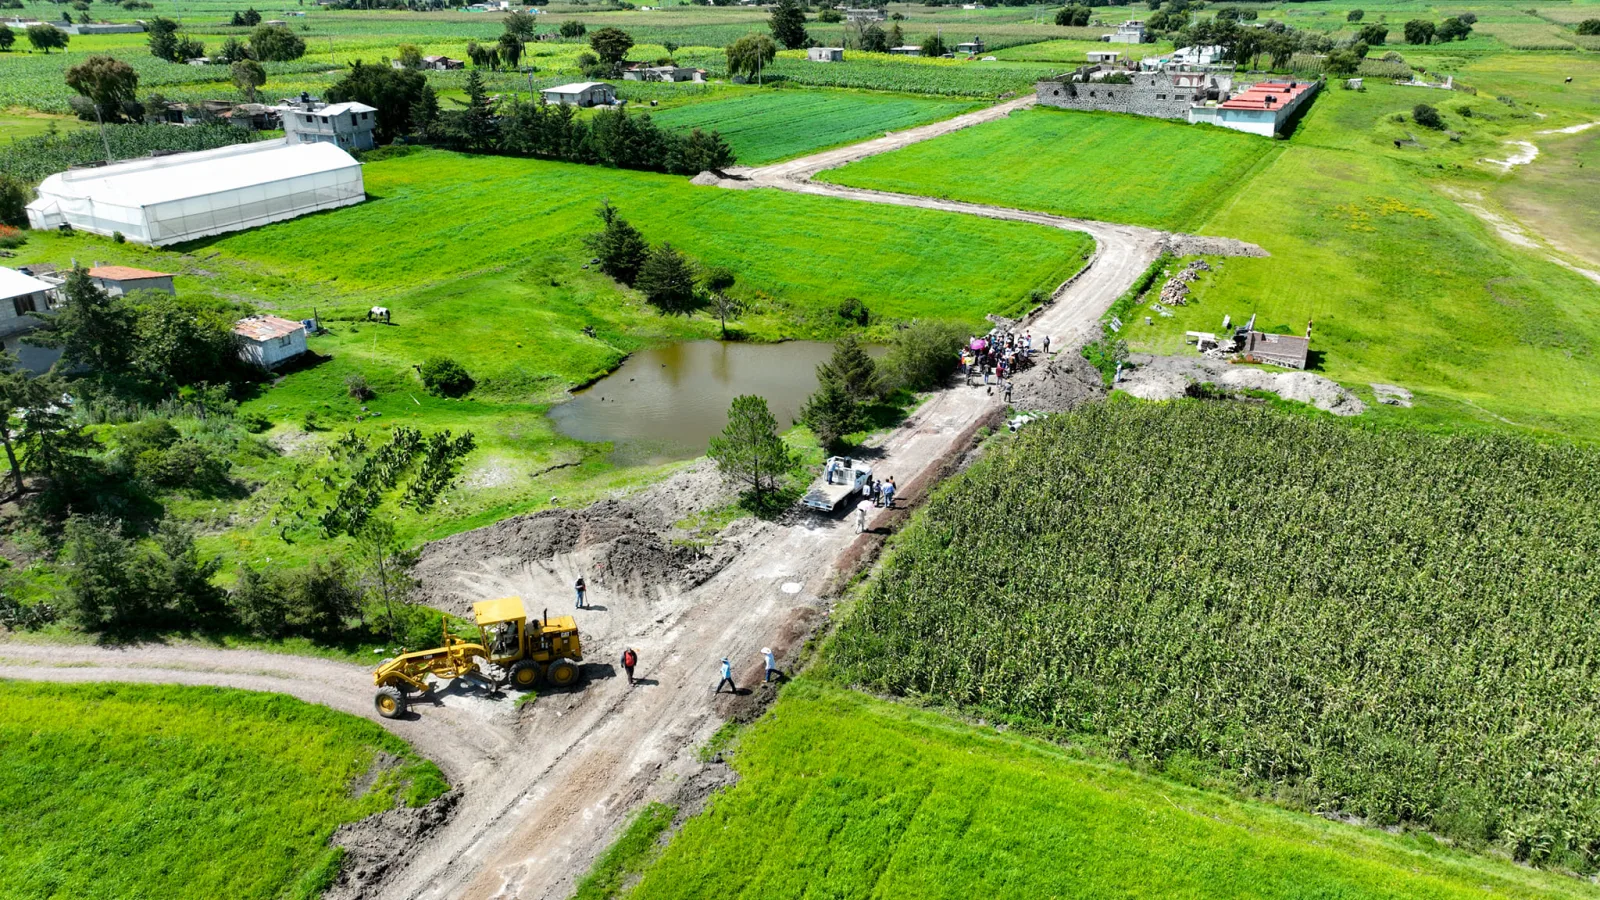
<point>512,649</point>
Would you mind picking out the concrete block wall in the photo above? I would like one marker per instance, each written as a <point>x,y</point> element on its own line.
<point>1147,96</point>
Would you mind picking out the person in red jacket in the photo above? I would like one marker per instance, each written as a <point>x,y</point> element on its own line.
<point>629,660</point>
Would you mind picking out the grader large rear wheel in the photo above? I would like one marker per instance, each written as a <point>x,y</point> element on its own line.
<point>390,702</point>
<point>524,675</point>
<point>562,673</point>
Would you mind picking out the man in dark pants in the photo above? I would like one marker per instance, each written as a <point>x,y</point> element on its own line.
<point>727,678</point>
<point>582,589</point>
<point>629,660</point>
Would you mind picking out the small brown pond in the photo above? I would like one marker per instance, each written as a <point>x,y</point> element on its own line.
<point>665,404</point>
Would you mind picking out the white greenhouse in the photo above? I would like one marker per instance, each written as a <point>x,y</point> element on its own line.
<point>169,199</point>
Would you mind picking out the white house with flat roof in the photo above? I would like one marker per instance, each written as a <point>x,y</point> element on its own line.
<point>21,294</point>
<point>1129,32</point>
<point>583,93</point>
<point>347,125</point>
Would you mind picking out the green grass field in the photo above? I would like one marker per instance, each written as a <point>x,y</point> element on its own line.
<point>115,791</point>
<point>841,795</point>
<point>1404,283</point>
<point>481,258</point>
<point>1074,164</point>
<point>766,126</point>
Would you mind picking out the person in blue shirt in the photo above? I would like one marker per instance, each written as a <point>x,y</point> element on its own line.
<point>727,677</point>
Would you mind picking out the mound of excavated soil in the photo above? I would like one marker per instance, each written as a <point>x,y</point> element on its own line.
<point>377,843</point>
<point>1059,385</point>
<point>1169,377</point>
<point>1196,245</point>
<point>628,541</point>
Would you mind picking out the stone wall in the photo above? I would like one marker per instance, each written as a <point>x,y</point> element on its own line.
<point>1147,96</point>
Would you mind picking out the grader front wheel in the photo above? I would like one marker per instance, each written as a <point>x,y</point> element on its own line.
<point>390,702</point>
<point>524,674</point>
<point>562,673</point>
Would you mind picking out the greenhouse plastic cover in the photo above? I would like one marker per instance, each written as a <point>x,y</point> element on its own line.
<point>173,198</point>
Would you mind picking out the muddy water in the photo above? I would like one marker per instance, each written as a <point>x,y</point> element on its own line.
<point>665,404</point>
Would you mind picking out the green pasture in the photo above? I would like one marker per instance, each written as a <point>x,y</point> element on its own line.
<point>1075,52</point>
<point>481,258</point>
<point>18,123</point>
<point>766,126</point>
<point>1405,284</point>
<point>842,795</point>
<point>115,790</point>
<point>1091,165</point>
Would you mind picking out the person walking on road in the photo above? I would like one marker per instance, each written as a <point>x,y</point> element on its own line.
<point>629,660</point>
<point>727,677</point>
<point>582,589</point>
<point>861,515</point>
<point>888,493</point>
<point>772,664</point>
<point>1047,343</point>
<point>1008,390</point>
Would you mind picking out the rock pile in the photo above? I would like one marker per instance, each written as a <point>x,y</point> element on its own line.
<point>1176,291</point>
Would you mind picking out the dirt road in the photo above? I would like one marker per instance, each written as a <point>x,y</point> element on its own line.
<point>545,792</point>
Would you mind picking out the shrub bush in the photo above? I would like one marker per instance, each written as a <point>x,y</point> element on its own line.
<point>1426,116</point>
<point>445,377</point>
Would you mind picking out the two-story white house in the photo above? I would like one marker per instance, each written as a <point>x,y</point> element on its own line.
<point>347,125</point>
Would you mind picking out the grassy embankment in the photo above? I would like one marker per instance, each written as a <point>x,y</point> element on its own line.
<point>843,795</point>
<point>177,792</point>
<point>1074,164</point>
<point>482,259</point>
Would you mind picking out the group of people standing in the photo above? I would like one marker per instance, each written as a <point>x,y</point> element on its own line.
<point>874,493</point>
<point>995,357</point>
<point>630,661</point>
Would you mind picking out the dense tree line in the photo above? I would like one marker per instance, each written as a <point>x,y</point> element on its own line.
<point>611,137</point>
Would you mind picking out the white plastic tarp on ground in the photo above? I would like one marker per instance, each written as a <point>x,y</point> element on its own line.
<point>171,199</point>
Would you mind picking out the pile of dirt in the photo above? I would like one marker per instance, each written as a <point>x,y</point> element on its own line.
<point>618,542</point>
<point>1170,377</point>
<point>1195,245</point>
<point>1059,385</point>
<point>374,845</point>
<point>1176,291</point>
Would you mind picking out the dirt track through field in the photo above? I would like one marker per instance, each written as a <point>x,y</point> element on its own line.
<point>545,791</point>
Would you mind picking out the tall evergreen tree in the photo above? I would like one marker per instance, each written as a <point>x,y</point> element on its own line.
<point>788,24</point>
<point>749,451</point>
<point>667,280</point>
<point>619,246</point>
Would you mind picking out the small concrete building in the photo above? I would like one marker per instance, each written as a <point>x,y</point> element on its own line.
<point>972,47</point>
<point>347,125</point>
<point>1129,32</point>
<point>825,54</point>
<point>1104,56</point>
<point>21,294</point>
<point>1287,350</point>
<point>866,14</point>
<point>268,341</point>
<point>907,50</point>
<point>1264,108</point>
<point>667,74</point>
<point>117,280</point>
<point>583,94</point>
<point>442,63</point>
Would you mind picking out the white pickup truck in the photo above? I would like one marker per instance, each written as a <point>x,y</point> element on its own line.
<point>842,477</point>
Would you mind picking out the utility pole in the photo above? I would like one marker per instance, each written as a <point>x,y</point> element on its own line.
<point>103,139</point>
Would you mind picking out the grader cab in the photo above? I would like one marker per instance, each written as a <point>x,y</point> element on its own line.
<point>512,649</point>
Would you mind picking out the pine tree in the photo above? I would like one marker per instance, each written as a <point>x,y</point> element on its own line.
<point>788,25</point>
<point>619,246</point>
<point>749,451</point>
<point>667,280</point>
<point>852,370</point>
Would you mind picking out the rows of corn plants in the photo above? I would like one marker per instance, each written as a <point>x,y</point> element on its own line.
<point>34,158</point>
<point>1394,626</point>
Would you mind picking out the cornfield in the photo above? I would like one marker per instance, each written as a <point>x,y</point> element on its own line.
<point>1396,626</point>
